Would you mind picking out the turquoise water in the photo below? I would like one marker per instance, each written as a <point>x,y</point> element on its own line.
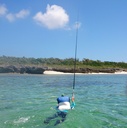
<point>26,100</point>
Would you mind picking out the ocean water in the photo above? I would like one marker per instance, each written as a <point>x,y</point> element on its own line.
<point>27,100</point>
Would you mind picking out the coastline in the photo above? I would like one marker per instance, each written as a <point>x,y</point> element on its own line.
<point>46,72</point>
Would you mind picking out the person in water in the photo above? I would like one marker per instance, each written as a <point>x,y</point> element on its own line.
<point>62,109</point>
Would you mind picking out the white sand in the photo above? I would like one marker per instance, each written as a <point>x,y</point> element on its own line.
<point>122,72</point>
<point>55,72</point>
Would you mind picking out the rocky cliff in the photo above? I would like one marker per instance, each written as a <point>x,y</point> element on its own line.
<point>22,69</point>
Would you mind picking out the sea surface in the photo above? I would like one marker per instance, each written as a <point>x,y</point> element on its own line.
<point>27,100</point>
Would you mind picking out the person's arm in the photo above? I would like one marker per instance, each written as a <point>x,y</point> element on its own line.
<point>73,102</point>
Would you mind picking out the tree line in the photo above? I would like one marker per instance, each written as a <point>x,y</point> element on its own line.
<point>53,62</point>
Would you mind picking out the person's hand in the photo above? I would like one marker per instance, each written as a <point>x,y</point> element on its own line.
<point>72,98</point>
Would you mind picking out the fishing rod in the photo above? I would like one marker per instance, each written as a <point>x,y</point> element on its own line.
<point>75,59</point>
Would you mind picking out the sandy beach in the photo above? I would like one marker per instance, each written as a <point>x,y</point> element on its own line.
<point>122,72</point>
<point>55,72</point>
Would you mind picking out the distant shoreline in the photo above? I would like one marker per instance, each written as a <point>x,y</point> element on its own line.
<point>47,70</point>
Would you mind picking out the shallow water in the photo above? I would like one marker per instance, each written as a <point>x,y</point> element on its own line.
<point>26,100</point>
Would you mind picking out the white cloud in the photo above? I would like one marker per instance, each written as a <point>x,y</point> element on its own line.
<point>10,17</point>
<point>22,14</point>
<point>55,17</point>
<point>13,16</point>
<point>3,10</point>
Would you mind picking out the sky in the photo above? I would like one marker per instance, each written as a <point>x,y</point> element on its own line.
<point>47,28</point>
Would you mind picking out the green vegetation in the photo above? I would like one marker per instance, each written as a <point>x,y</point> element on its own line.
<point>60,63</point>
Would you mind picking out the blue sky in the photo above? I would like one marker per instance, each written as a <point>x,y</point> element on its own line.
<point>47,28</point>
